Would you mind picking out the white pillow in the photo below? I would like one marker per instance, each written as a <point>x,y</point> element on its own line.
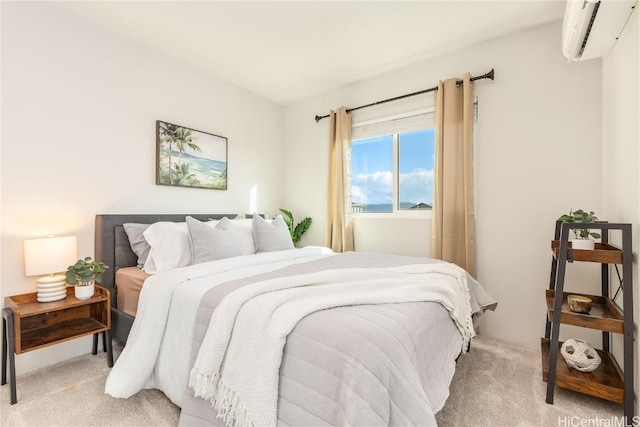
<point>170,247</point>
<point>271,236</point>
<point>209,243</point>
<point>245,234</point>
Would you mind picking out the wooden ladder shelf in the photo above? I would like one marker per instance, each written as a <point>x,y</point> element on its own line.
<point>608,381</point>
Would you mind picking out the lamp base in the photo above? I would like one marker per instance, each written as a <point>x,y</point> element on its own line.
<point>52,288</point>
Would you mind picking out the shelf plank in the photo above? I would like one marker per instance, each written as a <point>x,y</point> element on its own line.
<point>604,315</point>
<point>605,382</point>
<point>26,305</point>
<point>60,332</point>
<point>603,253</point>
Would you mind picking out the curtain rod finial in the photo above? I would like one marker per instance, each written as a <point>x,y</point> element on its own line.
<point>318,118</point>
<point>491,74</point>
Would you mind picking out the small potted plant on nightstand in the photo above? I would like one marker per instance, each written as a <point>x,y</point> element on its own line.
<point>582,238</point>
<point>83,275</point>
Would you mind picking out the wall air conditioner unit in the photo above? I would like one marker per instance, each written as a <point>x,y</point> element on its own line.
<point>591,27</point>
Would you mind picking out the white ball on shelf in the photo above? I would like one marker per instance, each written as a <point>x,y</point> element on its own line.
<point>580,355</point>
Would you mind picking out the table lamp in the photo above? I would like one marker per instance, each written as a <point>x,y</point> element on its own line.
<point>48,256</point>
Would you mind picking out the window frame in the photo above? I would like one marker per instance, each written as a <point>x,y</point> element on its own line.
<point>396,212</point>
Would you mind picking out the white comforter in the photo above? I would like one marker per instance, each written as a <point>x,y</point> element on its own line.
<point>166,316</point>
<point>238,365</point>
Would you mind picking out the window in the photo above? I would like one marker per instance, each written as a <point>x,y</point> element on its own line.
<point>392,164</point>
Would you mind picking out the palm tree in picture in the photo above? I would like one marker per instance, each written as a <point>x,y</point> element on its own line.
<point>168,135</point>
<point>185,138</point>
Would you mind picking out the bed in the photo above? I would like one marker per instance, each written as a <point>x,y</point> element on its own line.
<point>351,351</point>
<point>113,248</point>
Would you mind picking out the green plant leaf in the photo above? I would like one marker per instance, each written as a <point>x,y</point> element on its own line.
<point>288,219</point>
<point>580,216</point>
<point>85,270</point>
<point>300,229</point>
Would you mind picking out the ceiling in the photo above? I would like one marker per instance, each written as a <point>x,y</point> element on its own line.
<point>288,51</point>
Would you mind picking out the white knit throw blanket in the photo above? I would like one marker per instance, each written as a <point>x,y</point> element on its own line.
<point>237,368</point>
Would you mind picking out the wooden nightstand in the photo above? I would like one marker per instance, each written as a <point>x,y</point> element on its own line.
<point>41,324</point>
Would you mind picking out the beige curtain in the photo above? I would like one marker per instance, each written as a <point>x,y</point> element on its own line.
<point>453,229</point>
<point>339,235</point>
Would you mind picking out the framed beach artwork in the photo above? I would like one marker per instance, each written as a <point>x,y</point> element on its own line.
<point>190,158</point>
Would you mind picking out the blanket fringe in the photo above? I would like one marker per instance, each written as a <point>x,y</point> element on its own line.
<point>204,384</point>
<point>230,409</point>
<point>222,399</point>
<point>469,330</point>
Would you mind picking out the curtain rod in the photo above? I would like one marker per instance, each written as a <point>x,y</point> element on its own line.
<point>490,75</point>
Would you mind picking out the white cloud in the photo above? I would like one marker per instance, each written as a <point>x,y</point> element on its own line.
<point>417,186</point>
<point>377,187</point>
<point>372,188</point>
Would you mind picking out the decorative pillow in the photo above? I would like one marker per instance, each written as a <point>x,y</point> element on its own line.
<point>209,243</point>
<point>169,243</point>
<point>245,235</point>
<point>272,236</point>
<point>138,243</point>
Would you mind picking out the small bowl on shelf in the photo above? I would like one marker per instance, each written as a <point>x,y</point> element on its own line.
<point>579,304</point>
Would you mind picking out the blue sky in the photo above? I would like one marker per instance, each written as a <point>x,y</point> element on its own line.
<point>371,168</point>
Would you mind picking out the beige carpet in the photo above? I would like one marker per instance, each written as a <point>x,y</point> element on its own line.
<point>497,384</point>
<point>500,384</point>
<point>71,393</point>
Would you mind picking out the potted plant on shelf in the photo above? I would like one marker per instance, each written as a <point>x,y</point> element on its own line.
<point>83,275</point>
<point>582,236</point>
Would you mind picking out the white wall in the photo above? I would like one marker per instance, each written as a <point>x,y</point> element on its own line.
<point>539,128</point>
<point>621,111</point>
<point>78,137</point>
<point>395,236</point>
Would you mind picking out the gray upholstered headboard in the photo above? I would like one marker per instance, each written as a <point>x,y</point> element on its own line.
<point>112,244</point>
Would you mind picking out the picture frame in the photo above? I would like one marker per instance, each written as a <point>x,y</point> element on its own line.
<point>187,157</point>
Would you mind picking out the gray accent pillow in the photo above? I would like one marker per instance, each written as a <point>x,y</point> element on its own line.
<point>273,236</point>
<point>138,243</point>
<point>209,243</point>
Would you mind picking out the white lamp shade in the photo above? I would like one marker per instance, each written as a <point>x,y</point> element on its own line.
<point>49,255</point>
